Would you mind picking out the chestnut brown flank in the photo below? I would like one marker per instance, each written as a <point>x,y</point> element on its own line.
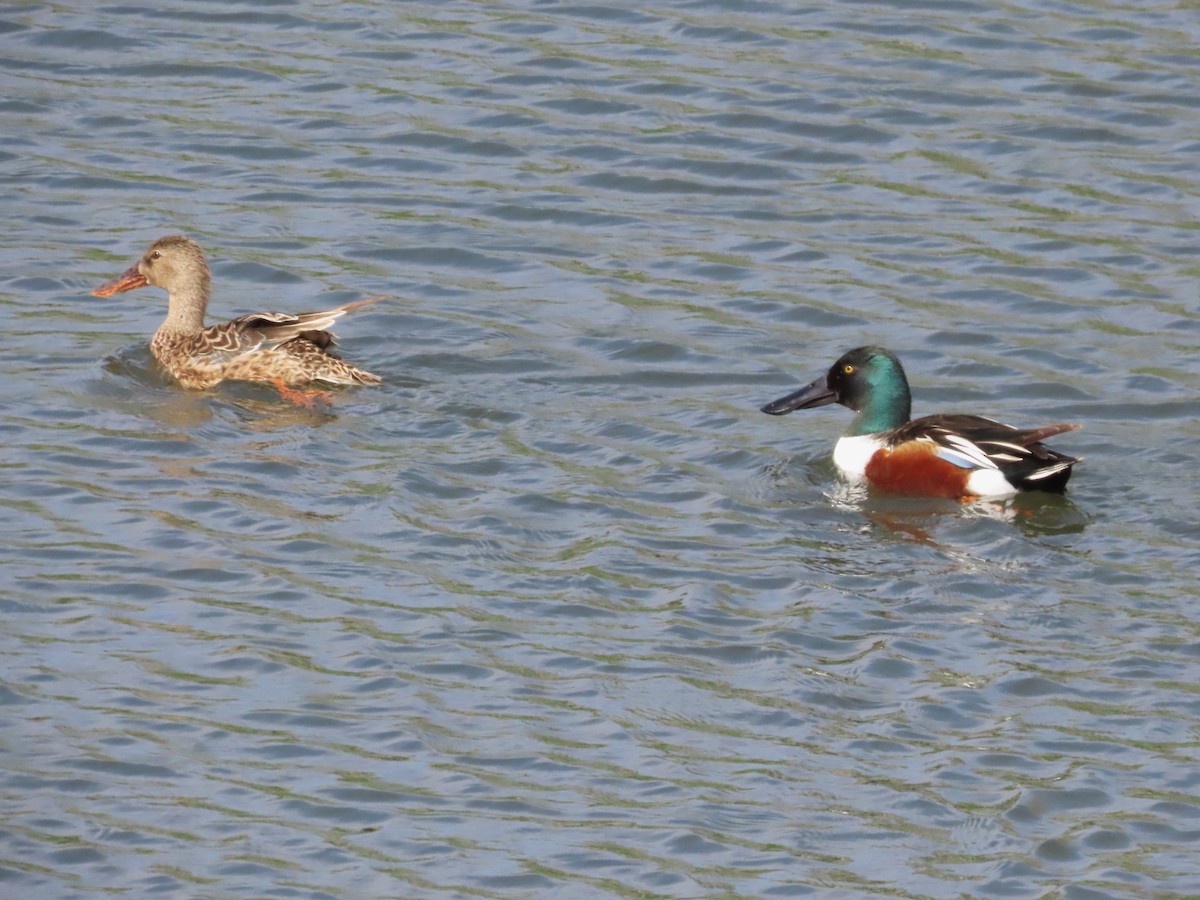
<point>915,468</point>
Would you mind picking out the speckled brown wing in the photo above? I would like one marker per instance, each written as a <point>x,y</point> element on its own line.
<point>263,347</point>
<point>269,330</point>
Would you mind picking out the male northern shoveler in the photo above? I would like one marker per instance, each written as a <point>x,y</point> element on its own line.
<point>957,456</point>
<point>277,348</point>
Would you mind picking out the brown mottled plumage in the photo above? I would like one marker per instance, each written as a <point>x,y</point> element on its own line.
<point>273,347</point>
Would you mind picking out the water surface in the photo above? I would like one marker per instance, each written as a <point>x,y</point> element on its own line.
<point>556,612</point>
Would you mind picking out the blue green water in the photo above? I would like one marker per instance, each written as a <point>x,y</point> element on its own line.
<point>557,612</point>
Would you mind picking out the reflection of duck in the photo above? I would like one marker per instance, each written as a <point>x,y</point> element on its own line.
<point>958,456</point>
<point>277,348</point>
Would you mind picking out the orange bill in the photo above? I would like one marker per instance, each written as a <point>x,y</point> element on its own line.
<point>126,281</point>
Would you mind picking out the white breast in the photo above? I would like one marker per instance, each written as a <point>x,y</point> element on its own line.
<point>851,454</point>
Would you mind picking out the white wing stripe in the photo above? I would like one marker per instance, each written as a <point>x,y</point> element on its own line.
<point>953,445</point>
<point>1049,470</point>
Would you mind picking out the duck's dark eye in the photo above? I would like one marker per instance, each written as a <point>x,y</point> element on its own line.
<point>155,255</point>
<point>848,369</point>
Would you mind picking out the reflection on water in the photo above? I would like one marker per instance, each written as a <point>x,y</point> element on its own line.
<point>556,611</point>
<point>1034,514</point>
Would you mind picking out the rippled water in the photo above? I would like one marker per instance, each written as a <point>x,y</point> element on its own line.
<point>556,612</point>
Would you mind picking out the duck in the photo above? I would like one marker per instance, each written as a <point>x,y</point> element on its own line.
<point>957,456</point>
<point>277,348</point>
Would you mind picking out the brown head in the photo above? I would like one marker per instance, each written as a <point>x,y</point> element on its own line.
<point>174,263</point>
<point>177,265</point>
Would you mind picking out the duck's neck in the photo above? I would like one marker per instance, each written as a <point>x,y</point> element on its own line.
<point>185,310</point>
<point>888,407</point>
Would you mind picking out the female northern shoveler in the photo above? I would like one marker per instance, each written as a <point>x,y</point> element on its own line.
<point>957,456</point>
<point>277,348</point>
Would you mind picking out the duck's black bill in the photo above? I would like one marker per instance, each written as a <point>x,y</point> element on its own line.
<point>816,394</point>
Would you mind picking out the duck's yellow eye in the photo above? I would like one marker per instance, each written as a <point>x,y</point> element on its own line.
<point>848,369</point>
